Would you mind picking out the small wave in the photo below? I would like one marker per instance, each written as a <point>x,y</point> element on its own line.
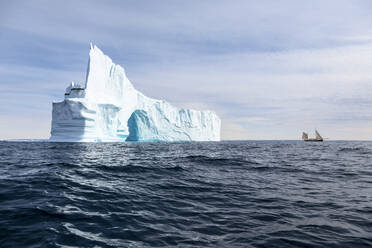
<point>97,237</point>
<point>47,213</point>
<point>351,149</point>
<point>217,161</point>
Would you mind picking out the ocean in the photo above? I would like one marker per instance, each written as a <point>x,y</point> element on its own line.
<point>195,194</point>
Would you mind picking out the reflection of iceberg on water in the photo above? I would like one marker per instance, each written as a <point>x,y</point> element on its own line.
<point>109,108</point>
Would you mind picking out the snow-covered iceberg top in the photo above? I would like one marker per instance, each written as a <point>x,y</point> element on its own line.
<point>109,108</point>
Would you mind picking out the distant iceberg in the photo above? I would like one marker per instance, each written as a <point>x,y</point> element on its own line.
<point>109,109</point>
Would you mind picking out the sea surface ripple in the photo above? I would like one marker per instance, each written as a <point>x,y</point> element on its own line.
<point>196,194</point>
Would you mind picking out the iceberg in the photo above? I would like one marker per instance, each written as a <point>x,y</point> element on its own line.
<point>109,109</point>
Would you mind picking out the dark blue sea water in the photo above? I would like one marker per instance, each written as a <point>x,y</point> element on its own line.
<point>218,194</point>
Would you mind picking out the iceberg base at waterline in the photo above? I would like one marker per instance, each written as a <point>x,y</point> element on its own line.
<point>109,109</point>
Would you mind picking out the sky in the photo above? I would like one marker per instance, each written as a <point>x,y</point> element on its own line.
<point>269,69</point>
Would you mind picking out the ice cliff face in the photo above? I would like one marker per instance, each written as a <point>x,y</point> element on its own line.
<point>109,108</point>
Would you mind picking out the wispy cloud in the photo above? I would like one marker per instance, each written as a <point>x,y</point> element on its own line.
<point>268,68</point>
